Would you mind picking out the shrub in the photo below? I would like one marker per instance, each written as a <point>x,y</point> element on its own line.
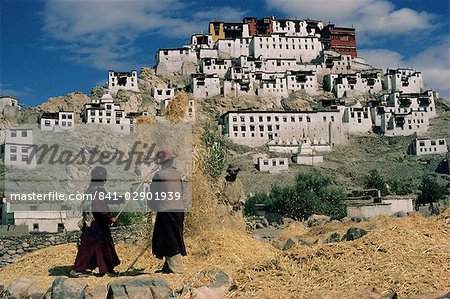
<point>374,180</point>
<point>215,151</point>
<point>312,193</point>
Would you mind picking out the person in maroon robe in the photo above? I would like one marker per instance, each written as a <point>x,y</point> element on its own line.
<point>168,241</point>
<point>97,246</point>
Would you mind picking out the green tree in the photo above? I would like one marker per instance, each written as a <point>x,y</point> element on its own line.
<point>374,180</point>
<point>430,192</point>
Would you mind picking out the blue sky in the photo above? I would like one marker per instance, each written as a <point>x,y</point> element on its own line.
<point>50,48</point>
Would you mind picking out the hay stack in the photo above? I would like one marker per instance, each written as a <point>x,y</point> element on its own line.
<point>177,108</point>
<point>407,255</point>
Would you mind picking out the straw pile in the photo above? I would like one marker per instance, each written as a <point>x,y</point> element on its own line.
<point>407,255</point>
<point>177,108</point>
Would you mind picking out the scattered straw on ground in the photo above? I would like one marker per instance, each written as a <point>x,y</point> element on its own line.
<point>408,255</point>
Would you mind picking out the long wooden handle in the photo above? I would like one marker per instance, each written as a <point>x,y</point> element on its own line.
<point>139,186</point>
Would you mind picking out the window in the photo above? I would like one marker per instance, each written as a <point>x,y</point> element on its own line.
<point>13,134</point>
<point>252,119</point>
<point>261,128</point>
<point>13,149</point>
<point>63,116</point>
<point>13,158</point>
<point>235,128</point>
<point>24,133</point>
<point>433,142</point>
<point>441,142</point>
<point>265,162</point>
<point>24,149</point>
<point>69,116</point>
<point>243,128</point>
<point>61,227</point>
<point>47,123</point>
<point>242,118</point>
<point>281,162</point>
<point>35,227</point>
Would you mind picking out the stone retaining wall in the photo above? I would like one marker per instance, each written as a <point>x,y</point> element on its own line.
<point>12,247</point>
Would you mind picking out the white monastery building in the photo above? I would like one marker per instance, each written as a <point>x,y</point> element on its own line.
<point>104,111</point>
<point>57,121</point>
<point>18,147</point>
<point>428,146</point>
<point>122,81</point>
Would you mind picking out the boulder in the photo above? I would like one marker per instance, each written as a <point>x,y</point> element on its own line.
<point>259,225</point>
<point>400,214</point>
<point>19,288</point>
<point>358,219</point>
<point>315,220</point>
<point>346,219</point>
<point>354,233</point>
<point>289,244</point>
<point>35,291</point>
<point>390,295</point>
<point>219,286</point>
<point>286,221</point>
<point>97,292</point>
<point>277,244</point>
<point>139,289</point>
<point>335,237</point>
<point>68,288</point>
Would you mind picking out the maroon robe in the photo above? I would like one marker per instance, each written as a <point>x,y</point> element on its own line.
<point>97,246</point>
<point>168,238</point>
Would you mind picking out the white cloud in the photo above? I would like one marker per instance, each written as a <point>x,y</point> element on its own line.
<point>433,62</point>
<point>382,58</point>
<point>9,90</point>
<point>372,18</point>
<point>102,33</point>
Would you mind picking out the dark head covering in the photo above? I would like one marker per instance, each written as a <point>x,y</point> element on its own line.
<point>98,174</point>
<point>165,156</point>
<point>232,172</point>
